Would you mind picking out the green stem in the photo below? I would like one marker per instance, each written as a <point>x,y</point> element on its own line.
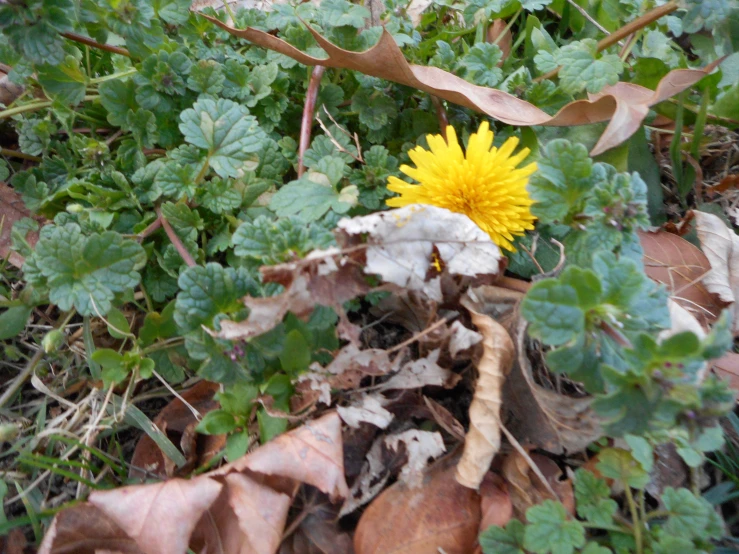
<point>203,171</point>
<point>35,106</point>
<point>635,518</point>
<point>656,514</point>
<point>20,155</point>
<point>121,75</point>
<point>613,528</point>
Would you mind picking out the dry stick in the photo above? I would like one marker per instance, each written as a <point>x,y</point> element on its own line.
<point>440,115</point>
<point>587,16</point>
<point>176,242</point>
<point>20,155</point>
<point>311,95</point>
<point>639,23</point>
<point>89,42</point>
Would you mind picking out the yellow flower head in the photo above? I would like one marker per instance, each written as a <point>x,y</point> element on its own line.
<point>484,184</point>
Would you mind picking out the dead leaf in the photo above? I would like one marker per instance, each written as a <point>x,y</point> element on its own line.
<point>727,367</point>
<point>371,479</point>
<point>680,266</point>
<point>495,502</point>
<point>482,442</point>
<point>160,517</point>
<point>311,454</point>
<point>420,446</point>
<point>554,422</point>
<point>368,410</point>
<point>84,529</point>
<point>421,373</point>
<point>721,247</point>
<point>178,422</point>
<point>9,91</point>
<point>505,42</point>
<point>318,533</point>
<point>462,338</point>
<point>526,488</point>
<point>444,418</point>
<point>625,104</point>
<point>401,245</point>
<point>12,209</point>
<point>440,516</point>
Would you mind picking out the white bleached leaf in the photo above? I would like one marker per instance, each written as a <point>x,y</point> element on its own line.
<point>462,338</point>
<point>369,410</point>
<point>420,446</point>
<point>420,373</point>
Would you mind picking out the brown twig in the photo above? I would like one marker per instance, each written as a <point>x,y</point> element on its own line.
<point>176,242</point>
<point>440,114</point>
<point>311,95</point>
<point>89,42</point>
<point>514,284</point>
<point>151,229</point>
<point>639,23</point>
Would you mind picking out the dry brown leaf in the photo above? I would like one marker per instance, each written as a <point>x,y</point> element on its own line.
<point>505,42</point>
<point>371,479</point>
<point>160,517</point>
<point>12,209</point>
<point>84,529</point>
<point>318,533</point>
<point>444,418</point>
<point>483,439</point>
<point>421,373</point>
<point>312,454</point>
<point>721,247</point>
<point>495,502</point>
<point>624,104</point>
<point>369,409</point>
<point>680,266</point>
<point>727,367</point>
<point>526,488</point>
<point>178,423</point>
<point>420,446</point>
<point>462,338</point>
<point>441,516</point>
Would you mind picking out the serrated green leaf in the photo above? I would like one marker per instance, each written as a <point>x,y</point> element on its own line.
<point>481,62</point>
<point>65,82</point>
<point>375,109</point>
<point>206,76</point>
<point>689,516</point>
<point>307,200</point>
<point>593,499</point>
<point>619,464</point>
<point>582,69</point>
<point>118,97</point>
<point>219,196</point>
<point>226,130</point>
<point>499,540</point>
<point>216,422</point>
<point>550,530</point>
<point>85,272</point>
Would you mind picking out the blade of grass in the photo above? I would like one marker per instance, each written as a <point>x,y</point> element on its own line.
<point>90,348</point>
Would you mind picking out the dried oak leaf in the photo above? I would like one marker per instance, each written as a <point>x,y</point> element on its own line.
<point>721,247</point>
<point>440,516</point>
<point>311,454</point>
<point>482,442</point>
<point>495,501</point>
<point>624,104</point>
<point>318,533</point>
<point>13,209</point>
<point>680,266</point>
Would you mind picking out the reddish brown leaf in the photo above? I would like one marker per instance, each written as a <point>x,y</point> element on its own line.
<point>160,517</point>
<point>625,104</point>
<point>312,454</point>
<point>727,367</point>
<point>178,423</point>
<point>12,209</point>
<point>672,260</point>
<point>505,42</point>
<point>84,529</point>
<point>525,487</point>
<point>440,516</point>
<point>495,502</point>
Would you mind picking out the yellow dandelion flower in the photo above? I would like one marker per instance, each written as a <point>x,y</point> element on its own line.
<point>484,184</point>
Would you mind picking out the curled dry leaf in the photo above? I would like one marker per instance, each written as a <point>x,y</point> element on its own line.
<point>402,242</point>
<point>624,104</point>
<point>420,446</point>
<point>680,266</point>
<point>178,422</point>
<point>505,42</point>
<point>526,489</point>
<point>12,209</point>
<point>462,338</point>
<point>483,439</point>
<point>368,410</point>
<point>721,247</point>
<point>440,516</point>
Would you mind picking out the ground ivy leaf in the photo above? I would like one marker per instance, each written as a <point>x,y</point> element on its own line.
<point>65,82</point>
<point>499,540</point>
<point>375,108</point>
<point>176,180</point>
<point>307,200</point>
<point>619,464</point>
<point>227,131</point>
<point>143,126</point>
<point>118,97</point>
<point>219,196</point>
<point>583,70</point>
<point>593,498</point>
<point>338,13</point>
<point>550,530</point>
<point>481,62</point>
<point>85,272</point>
<point>206,291</point>
<point>689,515</point>
<point>206,77</point>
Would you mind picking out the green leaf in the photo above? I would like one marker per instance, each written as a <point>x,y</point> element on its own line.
<point>641,450</point>
<point>118,325</point>
<point>690,516</point>
<point>206,77</point>
<point>65,82</point>
<point>595,548</point>
<point>13,321</point>
<point>34,135</point>
<point>308,200</point>
<point>216,422</point>
<point>338,13</point>
<point>143,126</point>
<point>118,97</point>
<point>296,353</point>
<point>238,398</point>
<point>550,530</point>
<point>270,426</point>
<point>208,291</point>
<point>499,540</point>
<point>481,62</point>
<point>86,271</point>
<point>226,130</point>
<point>4,171</point>
<point>619,464</point>
<point>582,69</point>
<point>593,499</point>
<point>375,109</point>
<point>237,445</point>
